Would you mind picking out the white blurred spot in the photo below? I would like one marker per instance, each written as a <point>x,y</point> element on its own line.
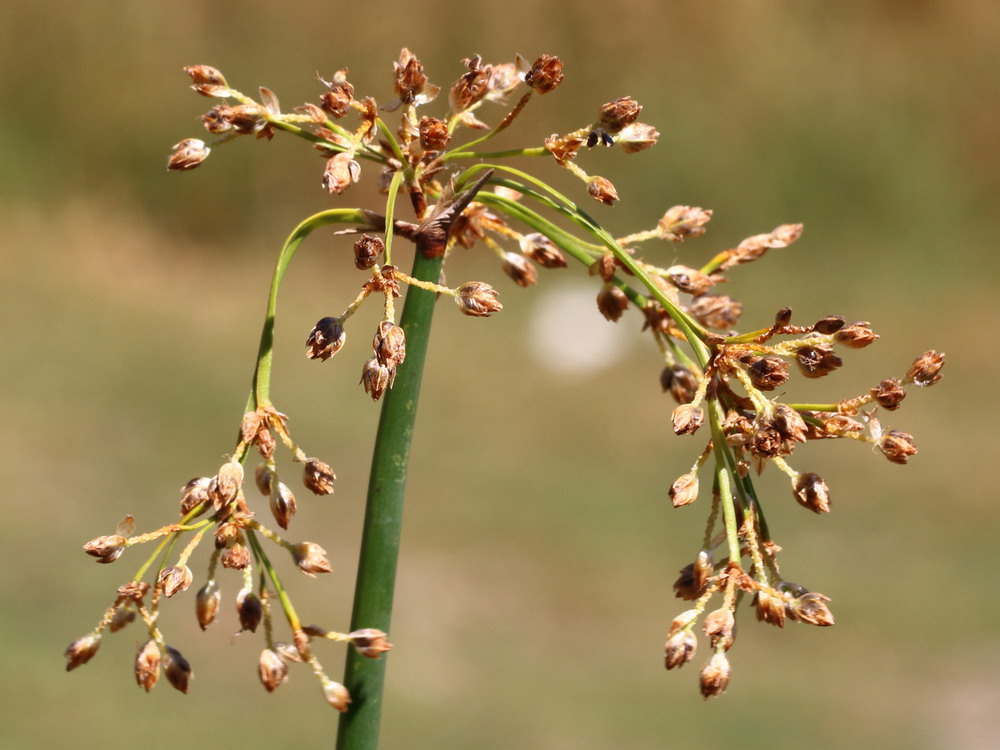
<point>569,335</point>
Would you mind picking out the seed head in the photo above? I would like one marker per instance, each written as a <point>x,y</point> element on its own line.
<point>207,81</point>
<point>133,591</point>
<point>889,394</point>
<point>410,82</point>
<point>703,568</point>
<point>770,608</point>
<point>545,74</point>
<point>687,419</point>
<point>811,492</point>
<point>690,280</point>
<point>206,603</point>
<point>282,504</point>
<point>377,377</point>
<point>680,649</point>
<point>519,269</point>
<point>680,381</point>
<point>638,137</point>
<point>325,339</point>
<point>856,335</point>
<point>715,675</point>
<point>687,586</point>
<point>684,490</point>
<point>897,446</point>
<point>926,369</point>
<point>188,154</point>
<point>616,114</point>
<point>542,250</point>
<point>272,670</point>
<point>367,251</point>
<point>719,626</point>
<point>336,694</point>
<point>147,665</point>
<point>177,669</point>
<point>682,222</point>
<point>601,189</point>
<point>122,617</point>
<point>370,642</point>
<point>194,493</point>
<point>318,477</point>
<point>716,311</point>
<point>225,486</point>
<point>811,608</point>
<point>817,361</point>
<point>249,609</point>
<point>767,373</point>
<point>337,100</point>
<point>106,549</point>
<point>311,558</point>
<point>563,148</point>
<point>236,557</point>
<point>174,579</point>
<point>389,344</point>
<point>477,299</point>
<point>82,650</point>
<point>829,324</point>
<point>472,86</point>
<point>612,302</point>
<point>263,479</point>
<point>341,170</point>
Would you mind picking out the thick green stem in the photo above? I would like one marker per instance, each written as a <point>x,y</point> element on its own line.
<point>373,593</point>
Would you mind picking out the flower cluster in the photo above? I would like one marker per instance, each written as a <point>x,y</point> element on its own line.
<point>464,197</point>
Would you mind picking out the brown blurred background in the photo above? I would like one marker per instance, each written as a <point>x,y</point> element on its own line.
<point>539,546</point>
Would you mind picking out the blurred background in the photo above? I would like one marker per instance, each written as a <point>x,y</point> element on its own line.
<point>539,545</point>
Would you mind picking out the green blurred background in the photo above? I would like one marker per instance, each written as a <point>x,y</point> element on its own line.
<point>539,546</point>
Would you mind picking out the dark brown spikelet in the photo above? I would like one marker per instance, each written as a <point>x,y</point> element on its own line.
<point>715,676</point>
<point>926,369</point>
<point>601,189</point>
<point>477,299</point>
<point>767,373</point>
<point>897,446</point>
<point>812,493</point>
<point>616,114</point>
<point>325,339</point>
<point>545,74</point>
<point>612,302</point>
<point>249,609</point>
<point>889,394</point>
<point>337,100</point>
<point>684,490</point>
<point>716,311</point>
<point>389,344</point>
<point>856,335</point>
<point>318,477</point>
<point>367,251</point>
<point>434,135</point>
<point>816,361</point>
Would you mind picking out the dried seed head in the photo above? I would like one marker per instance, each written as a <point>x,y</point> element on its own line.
<point>926,369</point>
<point>389,344</point>
<point>377,377</point>
<point>767,373</point>
<point>370,642</point>
<point>897,446</point>
<point>325,339</point>
<point>542,250</point>
<point>889,394</point>
<point>841,424</point>
<point>856,335</point>
<point>272,670</point>
<point>410,82</point>
<point>519,269</point>
<point>817,361</point>
<point>685,618</point>
<point>206,603</point>
<point>318,477</point>
<point>106,549</point>
<point>811,492</point>
<point>563,148</point>
<point>545,74</point>
<point>236,557</point>
<point>188,154</point>
<point>690,280</point>
<point>283,505</point>
<point>616,114</point>
<point>147,666</point>
<point>247,119</point>
<point>434,135</point>
<point>704,565</point>
<point>767,442</point>
<point>133,591</point>
<point>207,80</point>
<point>122,617</point>
<point>680,381</point>
<point>263,479</point>
<point>811,608</point>
<point>684,490</point>
<point>789,423</point>
<point>226,534</point>
<point>687,585</point>
<point>770,608</point>
<point>195,493</point>
<point>716,311</point>
<point>638,137</point>
<point>336,694</point>
<point>174,579</point>
<point>367,251</point>
<point>829,324</point>
<point>604,267</point>
<point>311,558</point>
<point>715,675</point>
<point>225,486</point>
<point>337,101</point>
<point>177,669</point>
<point>82,650</point>
<point>472,86</point>
<point>680,649</point>
<point>601,189</point>
<point>682,222</point>
<point>719,626</point>
<point>218,119</point>
<point>612,302</point>
<point>249,609</point>
<point>477,299</point>
<point>341,170</point>
<point>687,419</point>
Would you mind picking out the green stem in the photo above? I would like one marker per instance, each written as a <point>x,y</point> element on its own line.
<point>725,488</point>
<point>364,677</point>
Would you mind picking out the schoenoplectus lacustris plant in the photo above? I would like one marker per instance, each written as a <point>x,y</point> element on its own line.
<point>463,195</point>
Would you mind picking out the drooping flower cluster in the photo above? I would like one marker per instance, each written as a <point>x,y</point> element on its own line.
<point>721,379</point>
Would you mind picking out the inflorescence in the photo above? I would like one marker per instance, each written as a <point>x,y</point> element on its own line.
<point>716,374</point>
